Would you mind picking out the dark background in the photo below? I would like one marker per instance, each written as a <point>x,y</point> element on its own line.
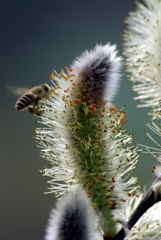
<point>36,36</point>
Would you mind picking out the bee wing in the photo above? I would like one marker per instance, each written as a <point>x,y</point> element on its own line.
<point>18,91</point>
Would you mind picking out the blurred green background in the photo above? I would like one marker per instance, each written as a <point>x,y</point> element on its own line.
<point>36,36</point>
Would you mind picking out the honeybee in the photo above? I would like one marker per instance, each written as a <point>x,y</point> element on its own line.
<point>31,97</point>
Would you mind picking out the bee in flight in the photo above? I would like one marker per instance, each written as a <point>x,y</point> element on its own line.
<point>31,97</point>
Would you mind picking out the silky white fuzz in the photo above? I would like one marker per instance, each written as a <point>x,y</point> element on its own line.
<point>73,219</point>
<point>103,66</point>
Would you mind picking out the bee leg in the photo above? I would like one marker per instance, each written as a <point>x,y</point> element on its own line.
<point>33,110</point>
<point>36,102</point>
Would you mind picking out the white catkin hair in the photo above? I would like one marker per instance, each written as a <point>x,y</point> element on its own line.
<point>102,66</point>
<point>73,219</point>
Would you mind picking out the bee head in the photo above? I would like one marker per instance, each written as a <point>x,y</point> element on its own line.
<point>45,88</point>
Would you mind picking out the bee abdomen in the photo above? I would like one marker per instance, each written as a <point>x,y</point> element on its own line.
<point>24,101</point>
